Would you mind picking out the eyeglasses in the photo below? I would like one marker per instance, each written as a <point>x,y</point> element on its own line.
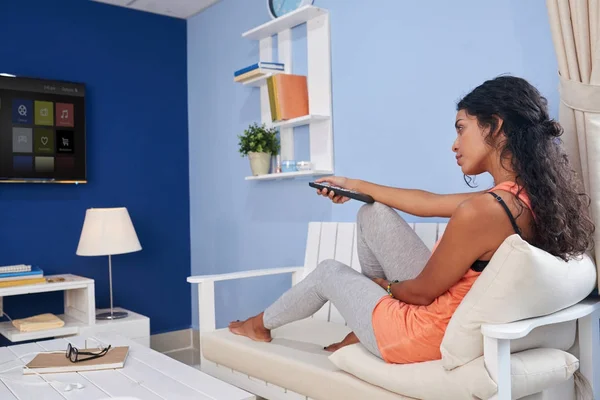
<point>73,354</point>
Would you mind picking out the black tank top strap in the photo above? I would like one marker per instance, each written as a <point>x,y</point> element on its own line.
<point>510,216</point>
<point>479,265</point>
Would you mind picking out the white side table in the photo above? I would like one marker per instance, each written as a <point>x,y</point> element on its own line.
<point>78,310</point>
<point>135,327</point>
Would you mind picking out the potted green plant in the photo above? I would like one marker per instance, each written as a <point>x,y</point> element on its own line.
<point>259,143</point>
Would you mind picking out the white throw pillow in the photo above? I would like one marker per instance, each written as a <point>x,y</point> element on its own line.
<point>532,371</point>
<point>521,281</point>
<point>536,370</point>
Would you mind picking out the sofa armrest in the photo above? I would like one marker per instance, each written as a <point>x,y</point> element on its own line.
<point>243,274</point>
<point>497,337</point>
<point>520,329</point>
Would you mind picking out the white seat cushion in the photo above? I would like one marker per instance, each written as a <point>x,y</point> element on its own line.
<point>295,359</point>
<point>532,371</point>
<point>521,281</point>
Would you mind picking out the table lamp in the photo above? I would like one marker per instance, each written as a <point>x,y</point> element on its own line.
<point>108,232</point>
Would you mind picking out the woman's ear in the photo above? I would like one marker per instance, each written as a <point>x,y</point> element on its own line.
<point>499,125</point>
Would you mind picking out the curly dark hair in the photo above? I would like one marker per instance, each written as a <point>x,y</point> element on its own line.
<point>530,140</point>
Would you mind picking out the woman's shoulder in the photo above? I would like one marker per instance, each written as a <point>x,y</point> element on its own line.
<point>486,212</point>
<point>480,206</point>
<point>487,202</point>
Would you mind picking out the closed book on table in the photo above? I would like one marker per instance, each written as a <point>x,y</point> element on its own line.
<point>288,96</point>
<point>51,363</point>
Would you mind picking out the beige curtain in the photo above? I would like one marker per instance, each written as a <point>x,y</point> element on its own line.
<point>574,25</point>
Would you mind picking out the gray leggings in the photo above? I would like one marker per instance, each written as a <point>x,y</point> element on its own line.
<point>387,248</point>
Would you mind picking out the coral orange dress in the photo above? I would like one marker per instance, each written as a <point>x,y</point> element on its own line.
<point>409,333</point>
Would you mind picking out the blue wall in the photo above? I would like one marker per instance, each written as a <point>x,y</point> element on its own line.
<point>134,67</point>
<point>398,69</point>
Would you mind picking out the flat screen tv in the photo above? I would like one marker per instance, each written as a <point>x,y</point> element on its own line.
<point>42,131</point>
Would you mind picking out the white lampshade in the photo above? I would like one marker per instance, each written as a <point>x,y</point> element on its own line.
<point>107,231</point>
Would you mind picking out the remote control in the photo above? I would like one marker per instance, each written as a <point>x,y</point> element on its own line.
<point>343,192</point>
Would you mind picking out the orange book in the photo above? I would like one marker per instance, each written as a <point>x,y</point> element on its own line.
<point>291,96</point>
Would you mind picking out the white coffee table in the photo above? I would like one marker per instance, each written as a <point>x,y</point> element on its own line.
<point>147,375</point>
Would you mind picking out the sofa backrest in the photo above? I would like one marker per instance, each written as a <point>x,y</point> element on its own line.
<point>337,240</point>
<point>521,281</point>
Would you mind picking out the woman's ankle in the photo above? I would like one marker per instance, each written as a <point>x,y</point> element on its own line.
<point>259,323</point>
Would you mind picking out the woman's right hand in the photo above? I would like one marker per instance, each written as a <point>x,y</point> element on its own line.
<point>339,181</point>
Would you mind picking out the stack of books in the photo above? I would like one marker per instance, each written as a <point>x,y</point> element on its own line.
<point>17,275</point>
<point>288,96</point>
<point>257,70</point>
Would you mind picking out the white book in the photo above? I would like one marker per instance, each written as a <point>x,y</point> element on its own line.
<point>15,268</point>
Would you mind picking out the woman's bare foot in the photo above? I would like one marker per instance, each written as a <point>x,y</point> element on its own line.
<point>348,340</point>
<point>252,328</point>
<point>235,323</point>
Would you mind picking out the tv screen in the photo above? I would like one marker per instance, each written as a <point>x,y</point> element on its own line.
<point>42,131</point>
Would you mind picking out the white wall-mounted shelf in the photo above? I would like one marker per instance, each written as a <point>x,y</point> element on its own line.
<point>319,120</point>
<point>300,121</point>
<point>288,21</point>
<point>287,175</point>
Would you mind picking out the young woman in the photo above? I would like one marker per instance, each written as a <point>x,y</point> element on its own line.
<point>401,304</point>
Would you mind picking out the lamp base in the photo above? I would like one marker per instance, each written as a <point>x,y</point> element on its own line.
<point>110,316</point>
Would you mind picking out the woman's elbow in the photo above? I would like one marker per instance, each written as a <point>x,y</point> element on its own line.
<point>413,293</point>
<point>425,300</point>
<point>421,299</point>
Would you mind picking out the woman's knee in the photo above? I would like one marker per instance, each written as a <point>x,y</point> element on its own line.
<point>374,212</point>
<point>331,266</point>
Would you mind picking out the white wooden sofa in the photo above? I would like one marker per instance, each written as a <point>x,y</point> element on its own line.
<point>518,354</point>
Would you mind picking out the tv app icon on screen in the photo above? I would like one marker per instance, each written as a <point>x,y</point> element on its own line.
<point>22,111</point>
<point>64,141</point>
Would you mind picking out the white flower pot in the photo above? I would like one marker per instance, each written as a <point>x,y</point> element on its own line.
<point>260,163</point>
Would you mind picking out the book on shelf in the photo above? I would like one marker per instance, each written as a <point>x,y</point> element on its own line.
<point>257,70</point>
<point>288,96</point>
<point>260,64</point>
<point>33,273</point>
<point>22,282</point>
<point>39,322</point>
<point>15,268</point>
